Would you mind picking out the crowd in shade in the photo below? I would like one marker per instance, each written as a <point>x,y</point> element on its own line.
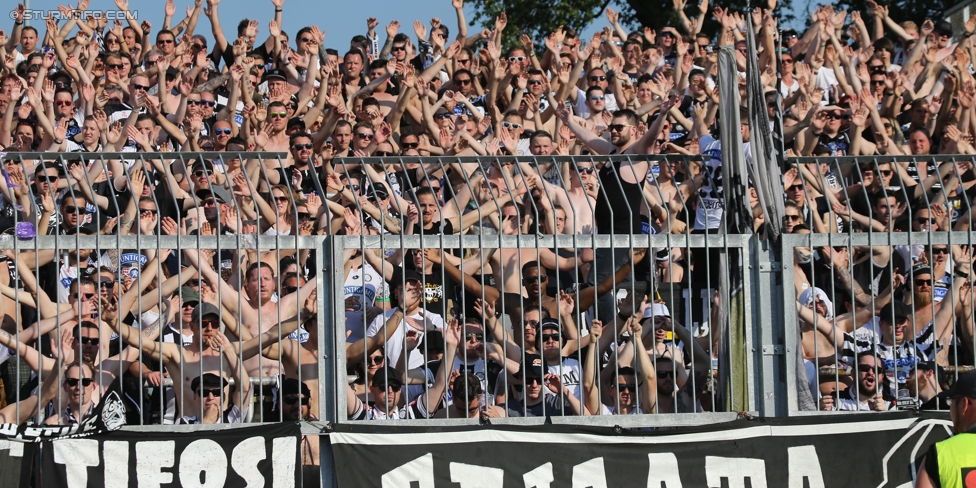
<point>372,134</point>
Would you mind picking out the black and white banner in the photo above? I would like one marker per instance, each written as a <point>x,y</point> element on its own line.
<point>266,455</point>
<point>826,451</point>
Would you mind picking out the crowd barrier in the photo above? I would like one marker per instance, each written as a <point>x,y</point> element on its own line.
<point>730,300</point>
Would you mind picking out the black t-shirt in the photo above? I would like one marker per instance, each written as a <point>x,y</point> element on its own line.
<point>439,288</point>
<point>615,198</point>
<point>553,407</point>
<point>445,228</point>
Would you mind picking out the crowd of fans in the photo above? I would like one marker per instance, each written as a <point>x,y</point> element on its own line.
<point>525,332</point>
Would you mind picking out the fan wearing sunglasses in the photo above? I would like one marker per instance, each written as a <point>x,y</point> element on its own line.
<point>293,400</point>
<point>78,386</point>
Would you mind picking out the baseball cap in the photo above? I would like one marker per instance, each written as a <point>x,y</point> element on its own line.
<point>218,192</point>
<point>409,275</point>
<point>657,310</point>
<point>533,366</point>
<point>275,74</point>
<point>896,310</point>
<point>920,270</point>
<point>203,164</point>
<point>291,386</point>
<point>965,385</point>
<point>376,189</point>
<point>549,324</point>
<point>204,309</point>
<point>188,294</point>
<point>207,380</point>
<point>943,27</point>
<point>386,377</point>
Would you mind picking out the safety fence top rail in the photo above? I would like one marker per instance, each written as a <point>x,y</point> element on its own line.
<point>881,159</point>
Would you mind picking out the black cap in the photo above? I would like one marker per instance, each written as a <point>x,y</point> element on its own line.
<point>896,311</point>
<point>943,27</point>
<point>386,377</point>
<point>172,72</point>
<point>81,229</point>
<point>920,270</point>
<point>275,74</point>
<point>55,165</point>
<point>291,386</point>
<point>202,164</point>
<point>216,191</point>
<point>209,380</point>
<point>533,365</point>
<point>410,276</point>
<point>376,189</point>
<point>790,33</point>
<point>965,385</point>
<point>549,324</point>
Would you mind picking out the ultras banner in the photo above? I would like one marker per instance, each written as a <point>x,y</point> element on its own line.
<point>825,451</point>
<point>264,455</point>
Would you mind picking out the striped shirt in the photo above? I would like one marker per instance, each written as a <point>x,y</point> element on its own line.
<point>898,361</point>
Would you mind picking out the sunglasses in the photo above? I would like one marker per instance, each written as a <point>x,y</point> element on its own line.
<point>291,400</point>
<point>115,66</point>
<point>435,189</point>
<point>70,209</point>
<point>165,41</point>
<point>282,199</point>
<point>303,215</point>
<point>352,187</point>
<point>529,380</point>
<point>222,132</point>
<point>364,135</point>
<point>384,153</point>
<point>190,304</point>
<point>795,188</point>
<point>550,337</point>
<point>306,39</point>
<point>210,324</point>
<point>410,145</point>
<point>886,172</point>
<point>278,115</point>
<point>535,82</point>
<point>877,82</point>
<point>152,62</point>
<point>586,170</point>
<point>398,48</point>
<point>511,125</point>
<point>618,127</point>
<point>299,147</point>
<point>920,282</point>
<point>598,78</point>
<point>150,210</point>
<point>89,340</point>
<point>466,81</point>
<point>64,103</point>
<point>194,102</point>
<point>72,382</point>
<point>377,360</point>
<point>106,284</point>
<point>836,116</point>
<point>923,220</point>
<point>475,337</point>
<point>139,87</point>
<point>201,173</point>
<point>940,250</point>
<point>512,59</point>
<point>627,386</point>
<point>214,392</point>
<point>665,374</point>
<point>442,115</point>
<point>792,218</point>
<point>463,61</point>
<point>208,203</point>
<point>598,97</point>
<point>532,279</point>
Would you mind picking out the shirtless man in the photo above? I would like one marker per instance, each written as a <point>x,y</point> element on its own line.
<point>274,138</point>
<point>186,363</point>
<point>300,359</point>
<point>574,201</point>
<point>255,308</point>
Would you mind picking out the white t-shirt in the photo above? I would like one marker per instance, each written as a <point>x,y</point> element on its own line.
<point>367,284</point>
<point>570,373</point>
<point>610,102</point>
<point>712,206</point>
<point>394,346</point>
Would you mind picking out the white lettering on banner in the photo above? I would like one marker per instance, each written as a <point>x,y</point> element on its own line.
<point>420,470</point>
<point>245,459</point>
<point>203,465</point>
<point>736,470</point>
<point>663,472</point>
<point>663,469</point>
<point>116,471</point>
<point>151,458</point>
<point>590,474</point>
<point>473,476</point>
<point>284,450</point>
<point>77,455</point>
<point>16,448</point>
<point>540,477</point>
<point>805,464</point>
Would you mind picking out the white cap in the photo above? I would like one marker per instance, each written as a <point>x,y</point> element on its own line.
<point>657,310</point>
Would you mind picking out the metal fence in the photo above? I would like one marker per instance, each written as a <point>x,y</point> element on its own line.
<point>502,265</point>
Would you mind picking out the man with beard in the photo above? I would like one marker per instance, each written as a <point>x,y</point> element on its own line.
<point>536,378</point>
<point>868,395</point>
